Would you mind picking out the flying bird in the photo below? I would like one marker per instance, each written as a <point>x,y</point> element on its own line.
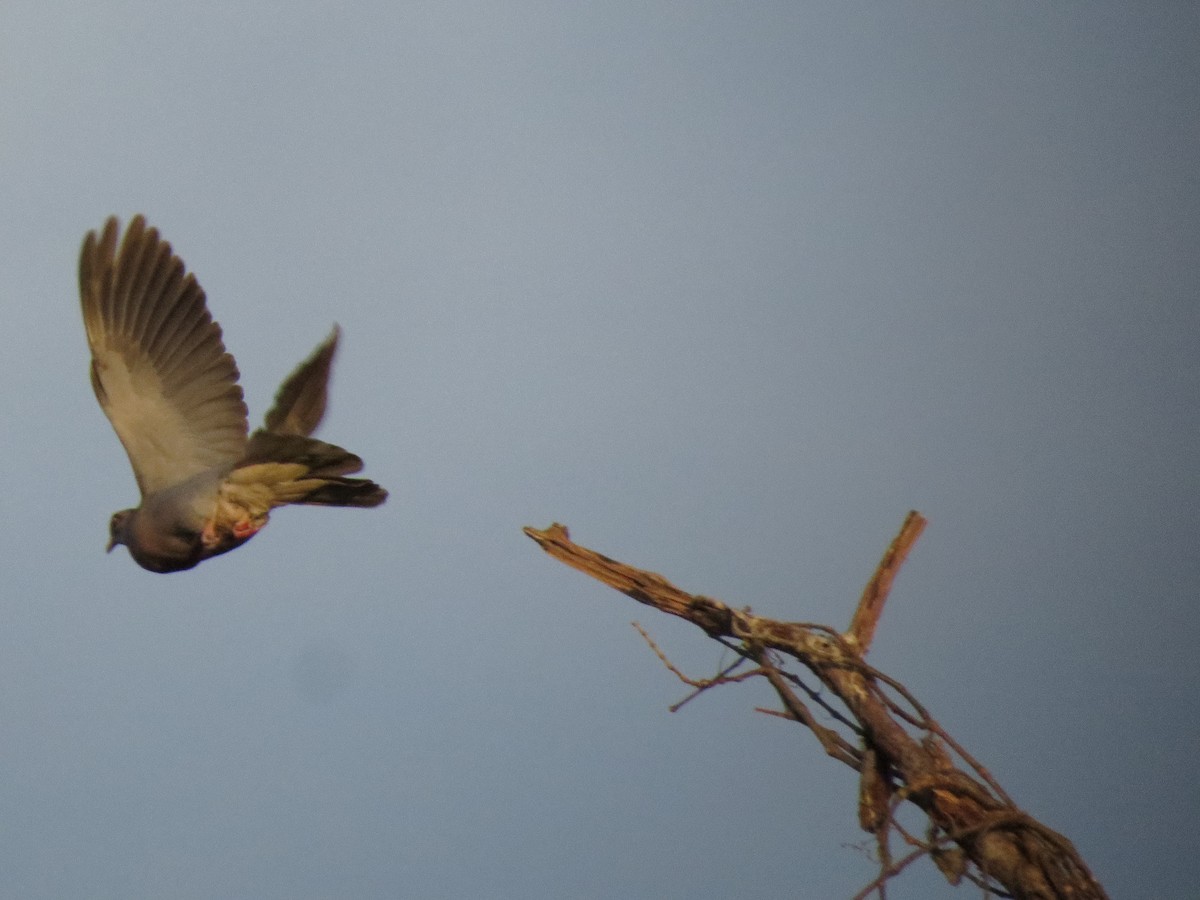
<point>170,390</point>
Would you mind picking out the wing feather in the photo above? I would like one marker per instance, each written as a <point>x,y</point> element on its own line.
<point>301,400</point>
<point>159,367</point>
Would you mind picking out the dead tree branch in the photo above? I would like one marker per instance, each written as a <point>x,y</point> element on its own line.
<point>901,753</point>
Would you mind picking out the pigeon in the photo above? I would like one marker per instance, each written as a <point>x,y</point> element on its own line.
<point>170,389</point>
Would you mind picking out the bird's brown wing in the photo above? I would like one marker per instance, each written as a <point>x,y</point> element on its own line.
<point>159,368</point>
<point>300,402</point>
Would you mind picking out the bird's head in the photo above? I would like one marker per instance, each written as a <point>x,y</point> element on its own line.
<point>155,550</point>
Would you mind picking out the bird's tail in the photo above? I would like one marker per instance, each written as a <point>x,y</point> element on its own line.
<point>278,469</point>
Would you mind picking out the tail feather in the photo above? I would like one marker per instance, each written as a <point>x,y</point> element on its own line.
<point>286,468</point>
<point>361,492</point>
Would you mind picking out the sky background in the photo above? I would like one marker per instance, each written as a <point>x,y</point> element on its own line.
<point>725,288</point>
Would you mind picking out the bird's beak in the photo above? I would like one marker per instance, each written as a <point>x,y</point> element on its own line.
<point>112,542</point>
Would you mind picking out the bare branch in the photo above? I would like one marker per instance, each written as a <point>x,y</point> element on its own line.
<point>875,594</point>
<point>901,753</point>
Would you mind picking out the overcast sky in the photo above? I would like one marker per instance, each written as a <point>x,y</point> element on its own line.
<point>727,289</point>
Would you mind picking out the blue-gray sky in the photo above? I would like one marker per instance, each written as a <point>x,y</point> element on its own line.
<point>727,289</point>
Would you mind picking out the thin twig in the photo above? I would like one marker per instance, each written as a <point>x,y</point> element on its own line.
<point>700,684</point>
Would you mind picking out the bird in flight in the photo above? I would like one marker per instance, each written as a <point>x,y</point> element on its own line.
<point>170,390</point>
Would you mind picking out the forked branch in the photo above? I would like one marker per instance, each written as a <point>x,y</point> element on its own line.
<point>902,755</point>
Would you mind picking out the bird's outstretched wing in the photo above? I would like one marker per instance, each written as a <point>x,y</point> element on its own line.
<point>300,401</point>
<point>159,368</point>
